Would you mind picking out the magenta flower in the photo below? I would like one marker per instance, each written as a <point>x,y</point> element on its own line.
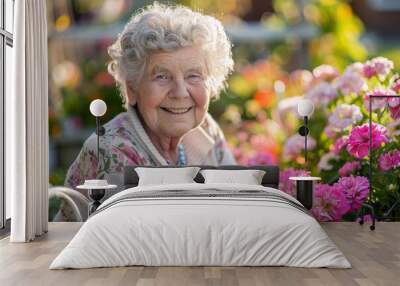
<point>330,203</point>
<point>385,162</point>
<point>396,86</point>
<point>348,168</point>
<point>356,190</point>
<point>345,115</point>
<point>379,66</point>
<point>289,186</point>
<point>358,144</point>
<point>388,161</point>
<point>394,107</point>
<point>339,144</point>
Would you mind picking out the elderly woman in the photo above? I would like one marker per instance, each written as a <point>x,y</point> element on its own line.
<point>168,63</point>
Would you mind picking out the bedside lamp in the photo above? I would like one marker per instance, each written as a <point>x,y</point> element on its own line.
<point>97,188</point>
<point>305,108</point>
<point>305,185</point>
<point>98,108</point>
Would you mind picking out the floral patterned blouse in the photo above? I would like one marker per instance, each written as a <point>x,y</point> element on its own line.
<point>126,143</point>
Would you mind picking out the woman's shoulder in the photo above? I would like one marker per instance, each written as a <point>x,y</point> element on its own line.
<point>118,127</point>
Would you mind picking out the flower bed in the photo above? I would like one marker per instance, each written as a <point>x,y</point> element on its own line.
<point>338,143</point>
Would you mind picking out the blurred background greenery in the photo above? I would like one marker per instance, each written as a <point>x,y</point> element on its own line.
<point>275,42</point>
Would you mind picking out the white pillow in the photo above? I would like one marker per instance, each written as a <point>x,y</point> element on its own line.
<point>163,176</point>
<point>248,177</point>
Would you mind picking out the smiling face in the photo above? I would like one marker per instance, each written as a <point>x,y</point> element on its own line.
<point>172,96</point>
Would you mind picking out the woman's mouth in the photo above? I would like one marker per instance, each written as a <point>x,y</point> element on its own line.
<point>177,110</point>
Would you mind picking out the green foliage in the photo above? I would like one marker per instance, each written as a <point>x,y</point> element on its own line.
<point>339,30</point>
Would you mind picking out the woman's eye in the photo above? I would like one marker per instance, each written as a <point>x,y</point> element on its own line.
<point>195,77</point>
<point>162,77</point>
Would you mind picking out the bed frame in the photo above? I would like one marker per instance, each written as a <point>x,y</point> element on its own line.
<point>270,179</point>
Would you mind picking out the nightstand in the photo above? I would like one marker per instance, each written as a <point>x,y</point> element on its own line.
<point>96,191</point>
<point>305,190</point>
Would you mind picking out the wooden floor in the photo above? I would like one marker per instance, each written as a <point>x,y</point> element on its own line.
<point>374,255</point>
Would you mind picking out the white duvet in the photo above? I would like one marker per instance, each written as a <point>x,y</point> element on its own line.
<point>183,231</point>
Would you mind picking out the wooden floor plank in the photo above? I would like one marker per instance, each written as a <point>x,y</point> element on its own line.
<point>375,257</point>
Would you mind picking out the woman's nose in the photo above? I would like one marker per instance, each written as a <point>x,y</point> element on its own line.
<point>180,89</point>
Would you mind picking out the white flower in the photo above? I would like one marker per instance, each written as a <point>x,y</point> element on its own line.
<point>345,115</point>
<point>324,164</point>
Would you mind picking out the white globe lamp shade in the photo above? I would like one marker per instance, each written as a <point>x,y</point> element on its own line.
<point>305,107</point>
<point>98,107</point>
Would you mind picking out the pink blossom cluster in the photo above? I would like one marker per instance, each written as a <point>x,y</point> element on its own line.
<point>339,144</point>
<point>378,103</point>
<point>261,158</point>
<point>348,168</point>
<point>289,186</point>
<point>396,86</point>
<point>356,189</point>
<point>378,66</point>
<point>350,82</point>
<point>358,143</point>
<point>322,93</point>
<point>325,72</point>
<point>388,161</point>
<point>332,202</point>
<point>345,115</point>
<point>295,144</point>
<point>394,107</point>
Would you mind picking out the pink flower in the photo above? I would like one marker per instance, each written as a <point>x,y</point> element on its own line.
<point>330,131</point>
<point>345,115</point>
<point>348,168</point>
<point>396,158</point>
<point>394,107</point>
<point>325,72</point>
<point>289,186</point>
<point>379,66</point>
<point>356,190</point>
<point>301,78</point>
<point>396,86</point>
<point>322,93</point>
<point>330,203</point>
<point>378,103</point>
<point>358,144</point>
<point>388,161</point>
<point>350,81</point>
<point>385,162</point>
<point>340,144</point>
<point>295,145</point>
<point>262,158</point>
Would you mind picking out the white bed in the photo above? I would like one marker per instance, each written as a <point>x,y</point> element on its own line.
<point>223,225</point>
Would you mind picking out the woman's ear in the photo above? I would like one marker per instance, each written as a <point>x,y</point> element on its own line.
<point>130,93</point>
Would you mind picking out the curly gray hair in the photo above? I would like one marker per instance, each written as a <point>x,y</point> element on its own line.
<point>160,27</point>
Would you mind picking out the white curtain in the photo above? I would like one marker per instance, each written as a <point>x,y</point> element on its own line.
<point>27,169</point>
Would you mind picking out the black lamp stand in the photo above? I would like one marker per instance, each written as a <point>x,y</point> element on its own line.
<point>97,194</point>
<point>303,131</point>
